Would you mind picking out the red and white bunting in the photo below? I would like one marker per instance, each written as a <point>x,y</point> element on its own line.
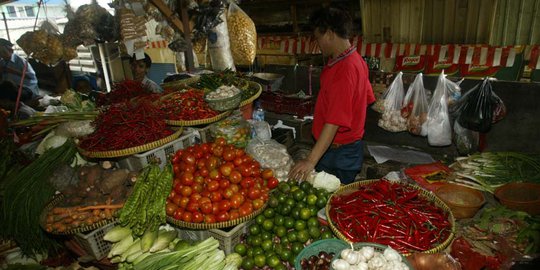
<point>157,44</point>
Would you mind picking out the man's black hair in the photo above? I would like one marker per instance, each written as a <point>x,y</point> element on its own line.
<point>332,18</point>
<point>147,60</point>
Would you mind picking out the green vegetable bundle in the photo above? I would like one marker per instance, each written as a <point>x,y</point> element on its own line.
<point>25,195</point>
<point>144,210</point>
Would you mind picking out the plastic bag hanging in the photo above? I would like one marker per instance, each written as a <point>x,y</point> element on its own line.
<point>439,130</point>
<point>477,110</point>
<point>378,106</point>
<point>391,119</point>
<point>416,106</point>
<point>242,35</point>
<point>466,140</point>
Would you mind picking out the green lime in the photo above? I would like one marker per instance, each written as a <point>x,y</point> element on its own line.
<point>273,261</point>
<point>260,260</point>
<point>314,232</point>
<point>300,225</point>
<point>303,236</point>
<point>305,186</point>
<point>301,205</point>
<point>249,253</point>
<point>321,202</point>
<point>296,247</point>
<point>267,245</point>
<point>311,199</point>
<point>279,220</point>
<point>256,240</point>
<point>288,223</point>
<point>305,213</point>
<point>313,222</point>
<point>281,198</point>
<point>284,187</point>
<point>259,219</point>
<point>293,236</point>
<point>285,254</point>
<point>269,213</point>
<point>257,251</point>
<point>240,249</point>
<point>273,202</point>
<point>285,240</point>
<point>327,235</point>
<point>290,202</point>
<point>280,266</point>
<point>294,188</point>
<point>268,225</point>
<point>314,210</point>
<point>265,235</point>
<point>295,213</point>
<point>285,209</point>
<point>280,231</point>
<point>248,263</point>
<point>254,229</point>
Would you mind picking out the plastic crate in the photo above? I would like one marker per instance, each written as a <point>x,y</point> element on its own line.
<point>139,161</point>
<point>93,242</point>
<point>280,103</point>
<point>227,238</point>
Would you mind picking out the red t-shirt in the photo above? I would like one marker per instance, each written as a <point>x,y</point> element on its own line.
<point>343,98</point>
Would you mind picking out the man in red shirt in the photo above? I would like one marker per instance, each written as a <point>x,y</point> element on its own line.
<point>340,111</point>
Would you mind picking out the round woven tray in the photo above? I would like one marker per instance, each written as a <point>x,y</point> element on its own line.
<point>254,97</point>
<point>57,199</point>
<point>180,84</point>
<point>217,225</point>
<point>132,150</point>
<point>188,123</point>
<point>423,193</point>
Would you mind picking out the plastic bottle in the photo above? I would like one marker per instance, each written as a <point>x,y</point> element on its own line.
<point>258,112</point>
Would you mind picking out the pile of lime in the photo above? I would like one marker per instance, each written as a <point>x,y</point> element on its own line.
<point>285,227</point>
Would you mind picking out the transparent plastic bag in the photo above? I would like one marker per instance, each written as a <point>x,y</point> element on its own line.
<point>271,154</point>
<point>219,47</point>
<point>439,130</point>
<point>242,35</point>
<point>417,103</point>
<point>391,119</point>
<point>378,106</point>
<point>234,129</point>
<point>466,140</point>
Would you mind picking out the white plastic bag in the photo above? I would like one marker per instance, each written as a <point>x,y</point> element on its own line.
<point>271,154</point>
<point>439,130</point>
<point>219,47</point>
<point>391,119</point>
<point>416,106</point>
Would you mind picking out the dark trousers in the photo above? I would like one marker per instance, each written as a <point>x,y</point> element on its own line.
<point>10,91</point>
<point>344,161</point>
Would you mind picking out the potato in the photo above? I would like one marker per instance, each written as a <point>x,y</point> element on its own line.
<point>113,179</point>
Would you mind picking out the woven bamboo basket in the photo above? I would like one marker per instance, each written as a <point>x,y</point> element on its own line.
<point>189,123</point>
<point>225,104</point>
<point>56,200</point>
<point>423,193</point>
<point>180,84</point>
<point>131,150</point>
<point>217,225</point>
<point>257,94</point>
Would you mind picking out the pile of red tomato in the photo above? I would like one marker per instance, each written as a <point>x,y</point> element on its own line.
<point>217,182</point>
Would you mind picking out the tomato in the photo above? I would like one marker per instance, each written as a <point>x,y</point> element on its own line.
<point>170,208</point>
<point>192,207</point>
<point>215,196</point>
<point>228,155</point>
<point>235,188</point>
<point>186,191</point>
<point>225,169</point>
<point>238,152</point>
<point>197,188</point>
<point>247,182</point>
<point>187,178</point>
<point>244,170</point>
<point>205,147</point>
<point>197,151</point>
<point>212,185</point>
<point>177,169</point>
<point>188,158</point>
<point>217,151</point>
<point>209,218</point>
<point>175,159</point>
<point>204,172</point>
<point>244,211</point>
<point>187,216</point>
<point>234,214</point>
<point>198,217</point>
<point>227,193</point>
<point>206,208</point>
<point>237,161</point>
<point>222,216</point>
<point>203,200</point>
<point>205,193</point>
<point>177,199</point>
<point>257,203</point>
<point>172,194</point>
<point>224,183</point>
<point>237,200</point>
<point>235,177</point>
<point>183,202</point>
<point>195,197</point>
<point>220,141</point>
<point>178,213</point>
<point>212,163</point>
<point>267,173</point>
<point>224,205</point>
<point>272,182</point>
<point>215,208</point>
<point>254,193</point>
<point>189,168</point>
<point>214,174</point>
<point>201,163</point>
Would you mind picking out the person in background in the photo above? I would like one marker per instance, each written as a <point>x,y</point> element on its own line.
<point>340,111</point>
<point>139,69</point>
<point>11,68</point>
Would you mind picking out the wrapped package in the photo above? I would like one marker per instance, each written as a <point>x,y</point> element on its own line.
<point>271,154</point>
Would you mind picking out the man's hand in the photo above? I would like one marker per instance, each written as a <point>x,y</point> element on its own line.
<point>301,170</point>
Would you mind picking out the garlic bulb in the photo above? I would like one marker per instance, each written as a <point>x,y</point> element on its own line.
<point>391,255</point>
<point>340,264</point>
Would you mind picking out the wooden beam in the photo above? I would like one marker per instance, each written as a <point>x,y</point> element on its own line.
<point>190,64</point>
<point>169,15</point>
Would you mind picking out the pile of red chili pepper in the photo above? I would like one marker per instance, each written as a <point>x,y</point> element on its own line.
<point>187,105</point>
<point>126,124</point>
<point>390,214</point>
<point>123,91</point>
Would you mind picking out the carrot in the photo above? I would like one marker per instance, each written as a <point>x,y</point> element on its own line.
<point>101,207</point>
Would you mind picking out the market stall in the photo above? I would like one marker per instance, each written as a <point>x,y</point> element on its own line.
<point>193,178</point>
